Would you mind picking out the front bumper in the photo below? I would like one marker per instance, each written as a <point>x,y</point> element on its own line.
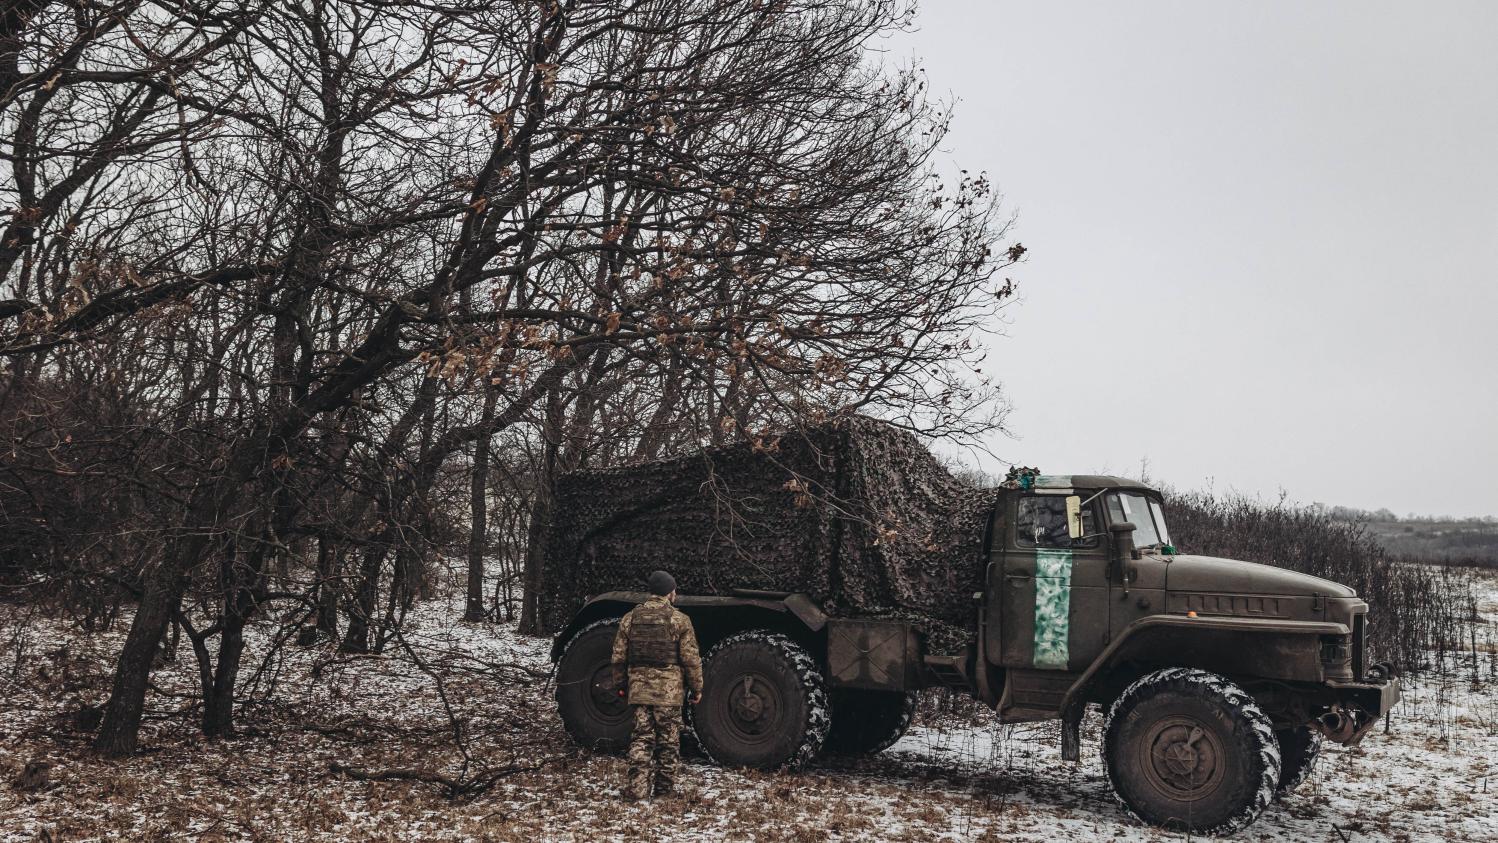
<point>1359,705</point>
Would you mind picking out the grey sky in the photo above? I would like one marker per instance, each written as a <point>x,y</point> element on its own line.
<point>1264,239</point>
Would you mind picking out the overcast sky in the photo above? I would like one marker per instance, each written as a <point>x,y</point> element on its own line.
<point>1263,239</point>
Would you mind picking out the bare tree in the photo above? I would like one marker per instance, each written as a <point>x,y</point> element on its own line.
<point>323,251</point>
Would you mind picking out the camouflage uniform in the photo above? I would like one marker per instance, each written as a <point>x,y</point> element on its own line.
<point>656,644</point>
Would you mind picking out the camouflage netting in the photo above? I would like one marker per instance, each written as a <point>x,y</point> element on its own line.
<point>857,514</point>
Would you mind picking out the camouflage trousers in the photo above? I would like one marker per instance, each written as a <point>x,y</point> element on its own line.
<point>654,750</point>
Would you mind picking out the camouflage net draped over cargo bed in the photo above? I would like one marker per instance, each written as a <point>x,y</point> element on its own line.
<point>857,514</point>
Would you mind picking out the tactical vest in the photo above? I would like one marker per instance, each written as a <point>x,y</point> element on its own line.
<point>651,641</point>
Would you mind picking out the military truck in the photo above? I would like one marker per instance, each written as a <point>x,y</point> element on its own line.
<point>1219,679</point>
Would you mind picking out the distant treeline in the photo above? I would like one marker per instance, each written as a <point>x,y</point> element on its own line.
<point>1352,513</point>
<point>1467,543</point>
<point>1470,542</point>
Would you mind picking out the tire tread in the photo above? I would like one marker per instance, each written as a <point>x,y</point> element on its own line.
<point>1299,749</point>
<point>819,709</point>
<point>573,729</point>
<point>1192,680</point>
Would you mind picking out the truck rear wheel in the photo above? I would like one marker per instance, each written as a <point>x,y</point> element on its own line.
<point>1189,750</point>
<point>764,703</point>
<point>866,722</point>
<point>587,696</point>
<point>1299,749</point>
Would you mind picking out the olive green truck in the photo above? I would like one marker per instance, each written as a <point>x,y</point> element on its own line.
<point>1219,679</point>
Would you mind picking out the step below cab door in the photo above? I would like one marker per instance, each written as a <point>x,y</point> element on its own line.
<point>1053,590</point>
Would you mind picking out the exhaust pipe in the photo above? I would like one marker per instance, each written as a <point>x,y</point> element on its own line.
<point>1332,722</point>
<point>1340,725</point>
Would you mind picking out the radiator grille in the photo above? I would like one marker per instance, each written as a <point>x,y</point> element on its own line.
<point>1359,642</point>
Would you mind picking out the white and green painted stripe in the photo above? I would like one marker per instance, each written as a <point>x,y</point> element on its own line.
<point>1052,608</point>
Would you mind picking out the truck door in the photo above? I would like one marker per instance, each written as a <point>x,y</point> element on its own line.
<point>1144,593</point>
<point>1054,603</point>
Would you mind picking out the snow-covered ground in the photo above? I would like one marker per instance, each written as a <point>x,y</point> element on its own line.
<point>953,777</point>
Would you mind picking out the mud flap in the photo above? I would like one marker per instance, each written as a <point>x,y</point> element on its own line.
<point>1071,733</point>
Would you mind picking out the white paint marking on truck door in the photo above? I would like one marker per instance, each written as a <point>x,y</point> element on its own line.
<point>1052,608</point>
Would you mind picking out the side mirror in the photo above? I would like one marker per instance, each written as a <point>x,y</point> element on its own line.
<point>1124,552</point>
<point>1074,516</point>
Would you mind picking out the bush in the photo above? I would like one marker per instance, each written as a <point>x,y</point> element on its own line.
<point>81,495</point>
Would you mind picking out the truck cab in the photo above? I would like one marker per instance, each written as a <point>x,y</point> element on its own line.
<point>1085,592</point>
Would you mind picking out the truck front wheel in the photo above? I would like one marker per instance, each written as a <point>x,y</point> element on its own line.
<point>587,696</point>
<point>866,722</point>
<point>764,703</point>
<point>1189,750</point>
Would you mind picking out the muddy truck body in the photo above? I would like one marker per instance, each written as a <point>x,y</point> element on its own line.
<point>1218,678</point>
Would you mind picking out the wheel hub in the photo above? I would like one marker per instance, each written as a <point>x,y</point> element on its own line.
<point>1184,758</point>
<point>1181,757</point>
<point>752,705</point>
<point>604,692</point>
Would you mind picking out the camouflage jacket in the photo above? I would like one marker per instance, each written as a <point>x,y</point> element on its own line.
<point>656,645</point>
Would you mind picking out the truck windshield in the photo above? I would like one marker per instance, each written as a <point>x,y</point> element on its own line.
<point>1144,513</point>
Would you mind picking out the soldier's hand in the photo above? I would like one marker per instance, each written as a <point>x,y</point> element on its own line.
<point>697,698</point>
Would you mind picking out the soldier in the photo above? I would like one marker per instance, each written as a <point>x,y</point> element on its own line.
<point>656,645</point>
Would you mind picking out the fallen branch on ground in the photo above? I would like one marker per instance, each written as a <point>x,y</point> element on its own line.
<point>453,788</point>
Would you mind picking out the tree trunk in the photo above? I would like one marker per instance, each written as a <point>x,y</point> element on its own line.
<point>168,652</point>
<point>658,428</point>
<point>366,595</point>
<point>218,704</point>
<point>241,582</point>
<point>160,598</point>
<point>327,589</point>
<point>535,546</point>
<point>479,506</point>
<point>127,699</point>
<point>405,578</point>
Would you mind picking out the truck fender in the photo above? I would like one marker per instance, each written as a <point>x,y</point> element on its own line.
<point>1271,648</point>
<point>799,608</point>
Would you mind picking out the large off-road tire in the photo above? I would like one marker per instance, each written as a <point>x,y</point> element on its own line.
<point>1299,749</point>
<point>764,704</point>
<point>866,722</point>
<point>587,696</point>
<point>1189,750</point>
